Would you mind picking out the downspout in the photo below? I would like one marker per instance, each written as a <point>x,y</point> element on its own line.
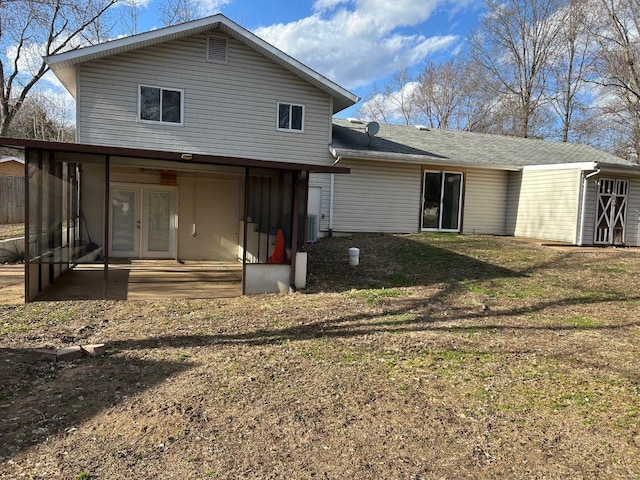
<point>332,190</point>
<point>585,183</point>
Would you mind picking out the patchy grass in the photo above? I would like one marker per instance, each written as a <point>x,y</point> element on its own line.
<point>439,356</point>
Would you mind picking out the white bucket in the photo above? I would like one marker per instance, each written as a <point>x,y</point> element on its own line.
<point>354,256</point>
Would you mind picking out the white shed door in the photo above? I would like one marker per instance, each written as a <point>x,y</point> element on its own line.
<point>611,211</point>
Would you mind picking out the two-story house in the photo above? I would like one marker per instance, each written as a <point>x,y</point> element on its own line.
<point>202,142</point>
<point>194,142</point>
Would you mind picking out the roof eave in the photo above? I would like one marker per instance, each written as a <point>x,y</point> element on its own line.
<point>612,169</point>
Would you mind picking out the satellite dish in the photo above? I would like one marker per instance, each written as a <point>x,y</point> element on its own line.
<point>372,128</point>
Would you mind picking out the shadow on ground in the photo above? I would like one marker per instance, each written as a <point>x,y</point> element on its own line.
<point>61,398</point>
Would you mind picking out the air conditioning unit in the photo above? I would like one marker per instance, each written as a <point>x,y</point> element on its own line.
<point>312,228</point>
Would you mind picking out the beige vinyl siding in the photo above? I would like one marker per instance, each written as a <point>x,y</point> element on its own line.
<point>632,232</point>
<point>485,200</point>
<point>377,197</point>
<point>229,109</point>
<point>547,205</point>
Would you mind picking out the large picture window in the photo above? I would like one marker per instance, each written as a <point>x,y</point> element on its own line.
<point>161,105</point>
<point>290,117</point>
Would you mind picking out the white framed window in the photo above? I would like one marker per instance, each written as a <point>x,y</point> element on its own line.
<point>160,105</point>
<point>290,117</point>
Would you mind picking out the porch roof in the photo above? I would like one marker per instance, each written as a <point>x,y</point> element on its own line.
<point>181,157</point>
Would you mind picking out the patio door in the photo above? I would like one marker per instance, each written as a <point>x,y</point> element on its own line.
<point>142,221</point>
<point>611,211</point>
<point>442,201</point>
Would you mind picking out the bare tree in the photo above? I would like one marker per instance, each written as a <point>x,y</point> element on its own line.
<point>396,101</point>
<point>374,106</point>
<point>30,29</point>
<point>573,65</point>
<point>44,116</point>
<point>517,45</point>
<point>479,103</point>
<point>617,31</point>
<point>401,94</point>
<point>172,12</point>
<point>440,93</point>
<point>450,95</point>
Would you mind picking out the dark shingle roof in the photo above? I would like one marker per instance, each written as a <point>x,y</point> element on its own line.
<point>408,143</point>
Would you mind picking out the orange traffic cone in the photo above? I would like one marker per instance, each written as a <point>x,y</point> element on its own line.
<point>278,254</point>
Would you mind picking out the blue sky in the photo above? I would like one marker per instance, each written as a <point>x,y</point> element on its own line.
<point>355,43</point>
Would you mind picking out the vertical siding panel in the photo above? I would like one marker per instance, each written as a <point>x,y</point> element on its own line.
<point>229,109</point>
<point>377,197</point>
<point>485,202</point>
<point>514,182</point>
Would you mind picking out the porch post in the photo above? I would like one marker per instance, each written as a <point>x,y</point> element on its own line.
<point>305,208</point>
<point>27,258</point>
<point>294,230</point>
<point>244,232</point>
<point>107,210</point>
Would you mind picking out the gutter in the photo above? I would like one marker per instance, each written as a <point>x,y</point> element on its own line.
<point>410,158</point>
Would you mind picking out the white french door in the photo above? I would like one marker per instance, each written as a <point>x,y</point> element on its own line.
<point>611,211</point>
<point>442,201</point>
<point>142,221</point>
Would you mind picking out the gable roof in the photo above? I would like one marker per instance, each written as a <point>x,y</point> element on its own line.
<point>64,64</point>
<point>11,159</point>
<point>407,143</point>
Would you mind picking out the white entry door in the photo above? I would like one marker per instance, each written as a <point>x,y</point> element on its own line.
<point>142,221</point>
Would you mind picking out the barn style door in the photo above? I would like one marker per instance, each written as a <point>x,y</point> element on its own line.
<point>611,211</point>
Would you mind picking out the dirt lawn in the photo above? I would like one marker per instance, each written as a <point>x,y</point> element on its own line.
<point>440,356</point>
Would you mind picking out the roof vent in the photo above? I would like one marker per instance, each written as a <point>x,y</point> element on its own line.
<point>422,127</point>
<point>354,120</point>
<point>216,49</point>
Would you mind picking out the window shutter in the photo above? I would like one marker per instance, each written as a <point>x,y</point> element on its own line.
<point>216,49</point>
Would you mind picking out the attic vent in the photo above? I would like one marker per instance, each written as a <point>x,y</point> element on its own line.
<point>422,127</point>
<point>216,49</point>
<point>354,120</point>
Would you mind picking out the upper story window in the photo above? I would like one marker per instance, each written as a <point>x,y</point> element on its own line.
<point>163,105</point>
<point>290,117</point>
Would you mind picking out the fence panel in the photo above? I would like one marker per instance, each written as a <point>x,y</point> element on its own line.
<point>11,199</point>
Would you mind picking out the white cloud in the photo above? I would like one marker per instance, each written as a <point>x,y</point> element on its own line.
<point>354,42</point>
<point>392,104</point>
<point>135,3</point>
<point>210,7</point>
